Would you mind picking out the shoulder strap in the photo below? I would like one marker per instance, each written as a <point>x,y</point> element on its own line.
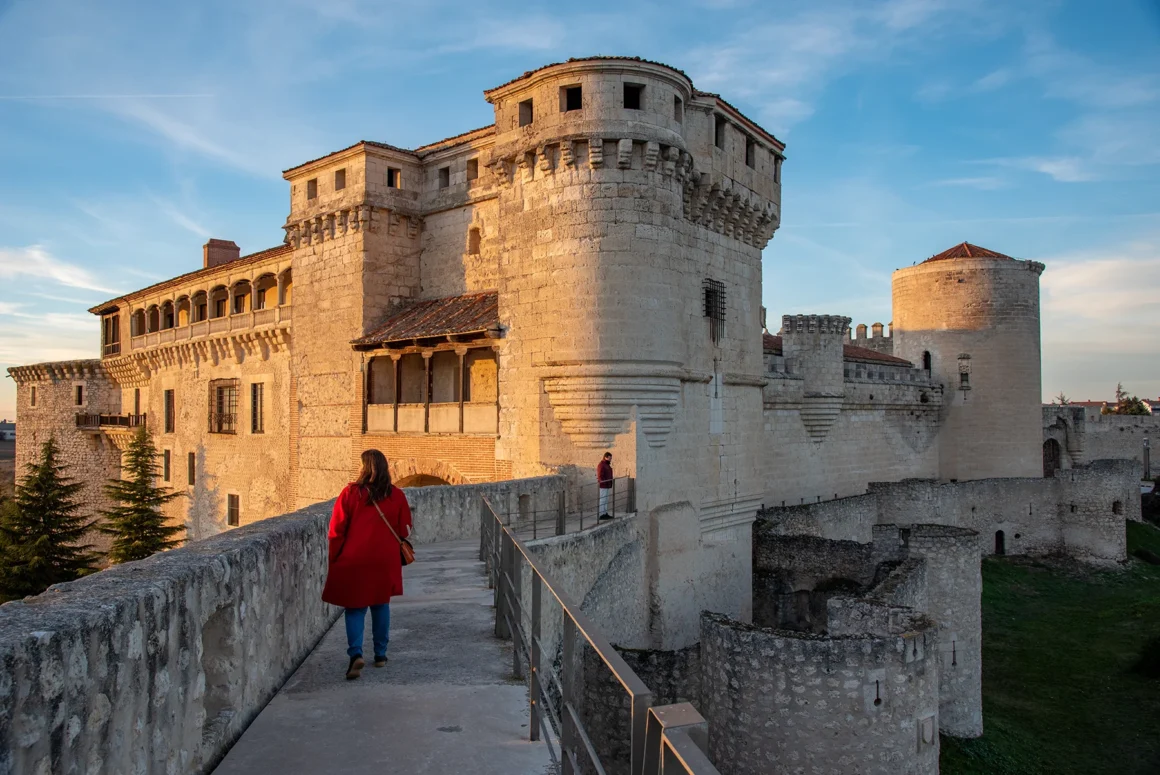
<point>387,523</point>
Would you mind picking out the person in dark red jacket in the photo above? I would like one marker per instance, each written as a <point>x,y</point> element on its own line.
<point>365,568</point>
<point>604,480</point>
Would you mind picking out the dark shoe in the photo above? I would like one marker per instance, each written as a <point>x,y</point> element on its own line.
<point>381,661</point>
<point>605,516</point>
<point>355,669</point>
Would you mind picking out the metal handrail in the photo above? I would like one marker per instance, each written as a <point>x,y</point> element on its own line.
<point>505,556</point>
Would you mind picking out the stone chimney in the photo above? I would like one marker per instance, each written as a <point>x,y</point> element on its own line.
<point>219,251</point>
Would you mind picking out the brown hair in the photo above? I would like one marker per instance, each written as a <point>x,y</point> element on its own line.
<point>374,476</point>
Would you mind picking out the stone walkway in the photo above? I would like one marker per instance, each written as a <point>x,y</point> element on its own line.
<point>445,702</point>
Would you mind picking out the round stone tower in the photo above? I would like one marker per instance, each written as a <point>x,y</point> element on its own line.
<point>970,316</point>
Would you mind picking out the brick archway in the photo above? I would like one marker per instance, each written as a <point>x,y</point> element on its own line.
<point>403,468</point>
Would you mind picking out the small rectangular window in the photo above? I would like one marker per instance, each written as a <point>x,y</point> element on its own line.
<point>633,96</point>
<point>340,179</point>
<point>777,160</point>
<point>170,412</point>
<point>444,177</point>
<point>750,152</point>
<point>312,188</point>
<point>472,169</point>
<point>223,406</point>
<point>191,469</point>
<point>136,400</point>
<point>233,510</point>
<point>32,396</point>
<point>165,463</point>
<point>964,379</point>
<point>525,112</point>
<point>257,408</point>
<point>714,291</point>
<point>80,395</point>
<point>571,98</point>
<point>394,178</point>
<point>719,131</point>
<point>678,110</point>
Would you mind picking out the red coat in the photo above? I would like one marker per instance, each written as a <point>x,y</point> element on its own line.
<point>365,568</point>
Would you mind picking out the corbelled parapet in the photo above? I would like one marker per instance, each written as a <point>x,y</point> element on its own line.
<point>812,346</point>
<point>58,371</point>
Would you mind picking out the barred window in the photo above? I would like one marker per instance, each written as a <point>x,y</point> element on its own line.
<point>170,412</point>
<point>257,408</point>
<point>223,406</point>
<point>714,291</point>
<point>233,510</point>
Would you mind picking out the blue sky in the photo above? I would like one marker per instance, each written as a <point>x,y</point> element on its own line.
<point>131,132</point>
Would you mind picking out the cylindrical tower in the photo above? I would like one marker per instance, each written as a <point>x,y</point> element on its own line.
<point>971,317</point>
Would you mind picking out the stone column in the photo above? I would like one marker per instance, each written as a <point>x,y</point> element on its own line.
<point>462,353</point>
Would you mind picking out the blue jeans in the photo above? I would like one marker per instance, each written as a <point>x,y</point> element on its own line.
<point>380,629</point>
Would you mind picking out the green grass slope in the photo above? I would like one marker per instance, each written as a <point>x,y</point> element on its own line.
<point>1059,692</point>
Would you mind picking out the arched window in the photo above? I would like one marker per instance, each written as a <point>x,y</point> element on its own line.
<point>219,302</point>
<point>1000,542</point>
<point>285,288</point>
<point>152,319</point>
<point>241,298</point>
<point>200,307</point>
<point>182,308</point>
<point>167,317</point>
<point>266,292</point>
<point>137,323</point>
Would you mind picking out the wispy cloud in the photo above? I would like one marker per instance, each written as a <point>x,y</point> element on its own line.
<point>36,263</point>
<point>1065,169</point>
<point>993,80</point>
<point>983,183</point>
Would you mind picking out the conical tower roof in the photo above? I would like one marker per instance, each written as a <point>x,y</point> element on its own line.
<point>967,250</point>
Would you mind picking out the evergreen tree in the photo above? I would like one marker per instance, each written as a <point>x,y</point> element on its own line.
<point>136,523</point>
<point>41,532</point>
<point>1125,403</point>
<point>1062,399</point>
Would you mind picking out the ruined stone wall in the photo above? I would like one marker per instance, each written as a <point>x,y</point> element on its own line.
<point>1084,434</point>
<point>157,666</point>
<point>980,316</point>
<point>91,457</point>
<point>843,519</point>
<point>953,598</point>
<point>778,701</point>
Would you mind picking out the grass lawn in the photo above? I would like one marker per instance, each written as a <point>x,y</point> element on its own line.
<point>1059,694</point>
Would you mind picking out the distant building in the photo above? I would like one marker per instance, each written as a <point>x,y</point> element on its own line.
<point>7,430</point>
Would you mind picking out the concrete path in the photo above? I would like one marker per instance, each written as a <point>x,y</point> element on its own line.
<point>445,702</point>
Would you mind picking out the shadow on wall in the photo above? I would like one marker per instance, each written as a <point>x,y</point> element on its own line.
<point>205,516</point>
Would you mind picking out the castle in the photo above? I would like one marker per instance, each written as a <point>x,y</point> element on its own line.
<point>585,274</point>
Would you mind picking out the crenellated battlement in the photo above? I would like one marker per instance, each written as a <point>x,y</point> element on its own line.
<point>814,324</point>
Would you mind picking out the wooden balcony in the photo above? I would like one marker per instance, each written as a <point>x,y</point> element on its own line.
<point>475,418</point>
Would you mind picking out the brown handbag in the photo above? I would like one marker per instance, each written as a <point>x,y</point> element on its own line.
<point>406,551</point>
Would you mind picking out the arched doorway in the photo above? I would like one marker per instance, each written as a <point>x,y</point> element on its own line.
<point>1000,542</point>
<point>421,480</point>
<point>1052,457</point>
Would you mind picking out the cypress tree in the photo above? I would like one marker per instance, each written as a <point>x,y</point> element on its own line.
<point>41,531</point>
<point>136,523</point>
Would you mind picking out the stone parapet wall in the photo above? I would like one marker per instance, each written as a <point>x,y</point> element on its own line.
<point>157,666</point>
<point>1084,434</point>
<point>767,695</point>
<point>453,513</point>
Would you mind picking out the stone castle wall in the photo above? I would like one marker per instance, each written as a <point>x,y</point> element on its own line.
<point>89,457</point>
<point>1084,434</point>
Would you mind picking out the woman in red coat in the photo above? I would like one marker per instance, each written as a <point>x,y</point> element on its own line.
<point>365,568</point>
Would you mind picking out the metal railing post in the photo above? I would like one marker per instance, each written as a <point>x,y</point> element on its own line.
<point>560,518</point>
<point>501,589</point>
<point>568,690</point>
<point>516,611</point>
<point>534,660</point>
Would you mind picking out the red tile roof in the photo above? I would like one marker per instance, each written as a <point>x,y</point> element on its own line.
<point>771,343</point>
<point>967,250</point>
<point>226,268</point>
<point>471,313</point>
